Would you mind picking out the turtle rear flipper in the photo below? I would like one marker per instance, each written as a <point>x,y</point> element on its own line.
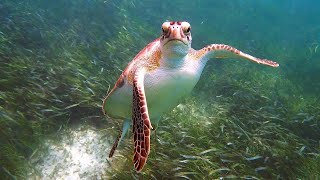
<point>122,133</point>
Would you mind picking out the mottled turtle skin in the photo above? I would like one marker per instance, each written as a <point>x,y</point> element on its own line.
<point>160,75</point>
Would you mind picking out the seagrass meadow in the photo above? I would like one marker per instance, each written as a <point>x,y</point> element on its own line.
<point>58,60</point>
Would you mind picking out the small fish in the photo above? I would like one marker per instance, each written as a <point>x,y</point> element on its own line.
<point>47,110</point>
<point>260,169</point>
<point>229,144</point>
<point>253,158</point>
<point>177,169</point>
<point>184,161</point>
<point>190,157</point>
<point>207,151</point>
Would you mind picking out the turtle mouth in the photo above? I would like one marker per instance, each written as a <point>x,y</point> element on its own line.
<point>176,40</point>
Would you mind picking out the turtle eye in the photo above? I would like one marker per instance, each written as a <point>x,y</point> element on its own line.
<point>186,27</point>
<point>165,27</point>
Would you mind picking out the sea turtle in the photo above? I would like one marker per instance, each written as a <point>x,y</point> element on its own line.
<point>165,71</point>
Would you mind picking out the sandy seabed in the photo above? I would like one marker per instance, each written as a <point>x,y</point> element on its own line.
<point>77,153</point>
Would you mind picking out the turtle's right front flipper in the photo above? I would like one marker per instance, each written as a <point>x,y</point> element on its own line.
<point>141,121</point>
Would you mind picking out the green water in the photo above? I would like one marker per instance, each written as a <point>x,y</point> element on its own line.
<point>59,58</point>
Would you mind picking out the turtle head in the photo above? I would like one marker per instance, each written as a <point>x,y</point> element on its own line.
<point>175,38</point>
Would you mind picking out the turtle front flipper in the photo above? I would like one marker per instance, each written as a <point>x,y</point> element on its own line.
<point>226,51</point>
<point>141,121</point>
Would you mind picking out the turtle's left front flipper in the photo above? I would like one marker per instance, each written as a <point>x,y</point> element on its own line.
<point>141,121</point>
<point>226,51</point>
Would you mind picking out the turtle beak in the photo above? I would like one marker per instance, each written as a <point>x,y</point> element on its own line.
<point>175,34</point>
